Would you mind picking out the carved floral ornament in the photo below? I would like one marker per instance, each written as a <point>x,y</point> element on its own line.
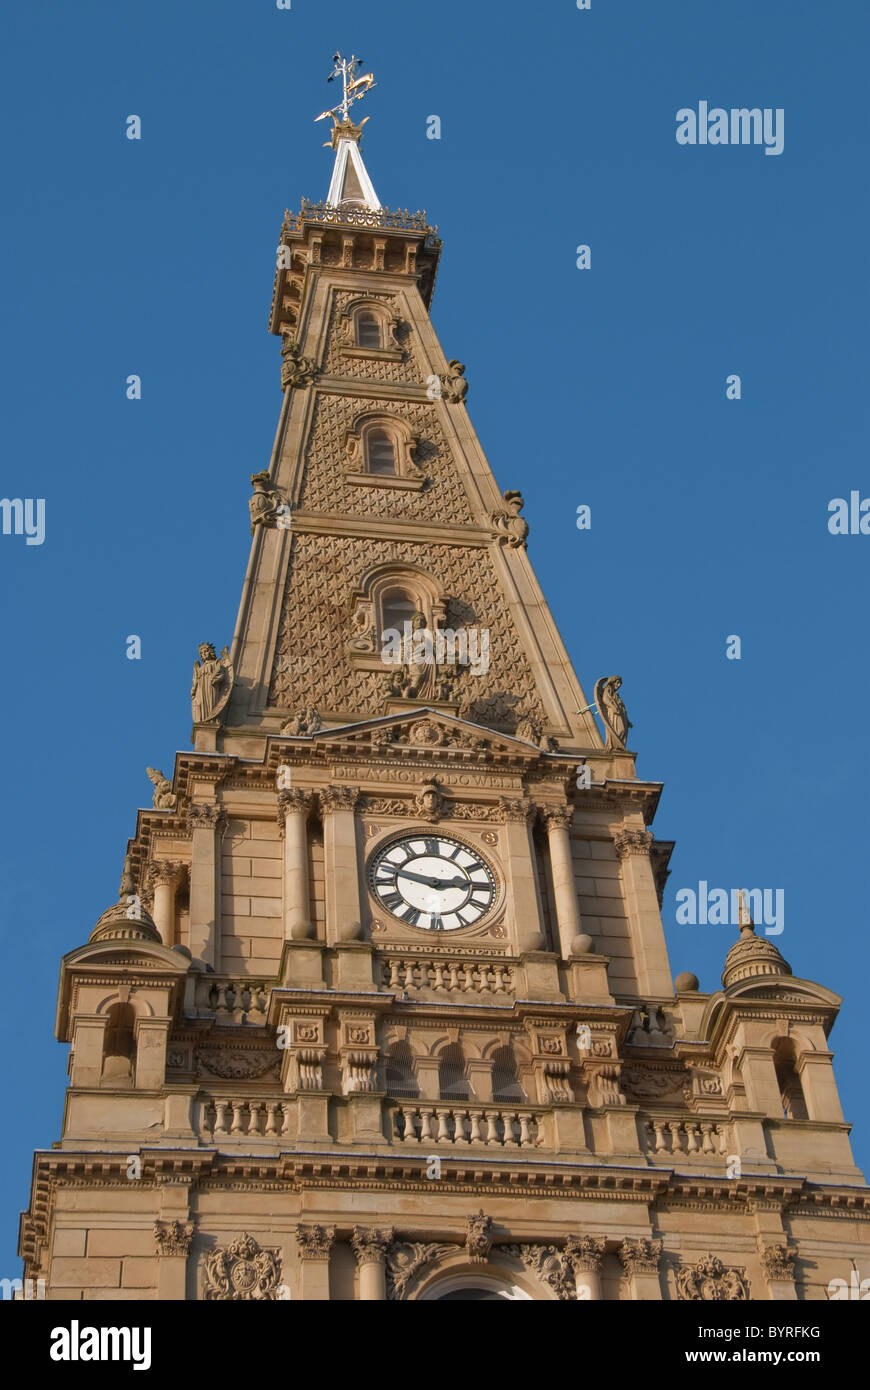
<point>711,1281</point>
<point>557,1268</point>
<point>777,1261</point>
<point>242,1272</point>
<point>173,1237</point>
<point>371,1246</point>
<point>315,1242</point>
<point>629,842</point>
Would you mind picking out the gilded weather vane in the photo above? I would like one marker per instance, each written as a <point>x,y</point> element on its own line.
<point>353,88</point>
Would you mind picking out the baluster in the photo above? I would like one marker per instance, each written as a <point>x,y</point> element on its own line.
<point>498,980</point>
<point>221,1007</point>
<point>693,1138</point>
<point>459,1126</point>
<point>525,1131</point>
<point>661,1143</point>
<point>254,1108</point>
<point>409,975</point>
<point>469,985</point>
<point>454,975</point>
<point>285,1128</point>
<point>475,1136</point>
<point>508,1121</point>
<point>238,1108</point>
<point>438,974</point>
<point>492,1127</point>
<point>676,1136</point>
<point>394,974</point>
<point>407,1113</point>
<point>271,1117</point>
<point>722,1136</point>
<point>707,1139</point>
<point>220,1110</point>
<point>443,1135</point>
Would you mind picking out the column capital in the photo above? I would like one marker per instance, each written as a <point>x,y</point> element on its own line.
<point>174,1237</point>
<point>521,810</point>
<point>632,842</point>
<point>777,1261</point>
<point>338,799</point>
<point>315,1242</point>
<point>557,817</point>
<point>586,1253</point>
<point>205,816</point>
<point>292,801</point>
<point>640,1256</point>
<point>161,873</point>
<point>371,1246</point>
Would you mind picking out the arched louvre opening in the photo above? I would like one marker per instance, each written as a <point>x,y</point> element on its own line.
<point>368,329</point>
<point>505,1082</point>
<point>452,1081</point>
<point>791,1091</point>
<point>401,1077</point>
<point>380,452</point>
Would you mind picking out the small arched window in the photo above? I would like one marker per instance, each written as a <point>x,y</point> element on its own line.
<point>505,1082</point>
<point>398,607</point>
<point>790,1090</point>
<point>452,1081</point>
<point>368,329</point>
<point>380,452</point>
<point>401,1079</point>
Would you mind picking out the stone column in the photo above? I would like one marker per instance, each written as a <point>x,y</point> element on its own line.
<point>640,1260</point>
<point>519,860</point>
<point>343,907</point>
<point>206,823</point>
<point>370,1248</point>
<point>642,910</point>
<point>173,1239</point>
<point>293,819</point>
<point>558,820</point>
<point>315,1243</point>
<point>587,1256</point>
<point>163,876</point>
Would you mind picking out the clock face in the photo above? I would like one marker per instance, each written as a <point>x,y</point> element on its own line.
<point>432,881</point>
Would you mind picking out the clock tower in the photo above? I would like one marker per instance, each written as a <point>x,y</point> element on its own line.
<point>384,1009</point>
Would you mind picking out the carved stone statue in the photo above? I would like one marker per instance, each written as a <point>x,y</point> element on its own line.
<point>478,1239</point>
<point>454,387</point>
<point>612,710</point>
<point>420,678</point>
<point>164,797</point>
<point>303,724</point>
<point>513,529</point>
<point>212,684</point>
<point>267,506</point>
<point>295,370</point>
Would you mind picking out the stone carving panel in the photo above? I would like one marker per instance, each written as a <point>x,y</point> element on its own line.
<point>242,1272</point>
<point>711,1281</point>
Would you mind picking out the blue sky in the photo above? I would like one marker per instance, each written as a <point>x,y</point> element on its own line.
<point>603,387</point>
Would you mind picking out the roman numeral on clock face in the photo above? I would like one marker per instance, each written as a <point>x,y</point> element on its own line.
<point>392,900</point>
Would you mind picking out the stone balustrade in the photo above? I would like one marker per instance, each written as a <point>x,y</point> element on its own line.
<point>507,1127</point>
<point>461,976</point>
<point>246,1117</point>
<point>686,1137</point>
<point>232,1001</point>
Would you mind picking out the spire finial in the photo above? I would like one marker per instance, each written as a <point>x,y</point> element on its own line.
<point>744,916</point>
<point>128,883</point>
<point>352,88</point>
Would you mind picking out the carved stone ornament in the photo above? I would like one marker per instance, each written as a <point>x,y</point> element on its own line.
<point>161,872</point>
<point>512,529</point>
<point>777,1261</point>
<point>559,817</point>
<point>293,801</point>
<point>315,1242</point>
<point>370,1246</point>
<point>304,724</point>
<point>212,684</point>
<point>267,506</point>
<point>478,1239</point>
<point>586,1253</point>
<point>237,1066</point>
<point>241,1272</point>
<point>552,1266</point>
<point>164,798</point>
<point>173,1237</point>
<point>295,370</point>
<point>454,387</point>
<point>710,1281</point>
<point>612,711</point>
<point>516,810</point>
<point>640,1256</point>
<point>204,816</point>
<point>632,842</point>
<point>405,1261</point>
<point>338,799</point>
<point>429,803</point>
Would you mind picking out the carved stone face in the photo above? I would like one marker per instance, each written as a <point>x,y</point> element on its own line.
<point>206,652</point>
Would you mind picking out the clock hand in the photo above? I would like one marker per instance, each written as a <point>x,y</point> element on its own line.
<point>432,882</point>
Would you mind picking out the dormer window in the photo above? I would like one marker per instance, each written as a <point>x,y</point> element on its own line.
<point>380,452</point>
<point>368,329</point>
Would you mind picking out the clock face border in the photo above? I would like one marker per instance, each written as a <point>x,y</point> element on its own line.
<point>430,832</point>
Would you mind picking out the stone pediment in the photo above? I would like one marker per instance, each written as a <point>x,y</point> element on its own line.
<point>425,730</point>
